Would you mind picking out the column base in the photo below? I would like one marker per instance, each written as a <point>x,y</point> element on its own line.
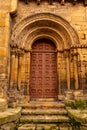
<point>27,98</point>
<point>77,94</point>
<point>3,104</point>
<point>61,97</point>
<point>69,95</point>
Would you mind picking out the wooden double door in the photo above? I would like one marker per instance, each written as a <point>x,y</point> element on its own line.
<point>43,76</point>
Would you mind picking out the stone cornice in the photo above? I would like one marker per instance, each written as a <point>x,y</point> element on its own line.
<point>62,2</point>
<point>13,7</point>
<point>79,46</point>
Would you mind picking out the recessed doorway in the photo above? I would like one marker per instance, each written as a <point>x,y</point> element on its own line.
<point>43,72</point>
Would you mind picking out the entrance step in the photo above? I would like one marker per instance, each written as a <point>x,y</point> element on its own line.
<point>44,119</point>
<point>44,127</point>
<point>44,111</point>
<point>39,115</point>
<point>43,105</point>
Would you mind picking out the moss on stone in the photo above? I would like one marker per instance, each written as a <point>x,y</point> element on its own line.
<point>78,118</point>
<point>10,115</point>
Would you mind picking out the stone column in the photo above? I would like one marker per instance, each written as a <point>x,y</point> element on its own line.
<point>58,72</point>
<point>27,75</point>
<point>16,69</point>
<point>28,71</point>
<point>75,70</point>
<point>19,68</point>
<point>12,69</point>
<point>67,69</point>
<point>68,93</point>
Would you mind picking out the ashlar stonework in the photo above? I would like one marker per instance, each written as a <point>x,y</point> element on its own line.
<point>43,51</point>
<point>65,26</point>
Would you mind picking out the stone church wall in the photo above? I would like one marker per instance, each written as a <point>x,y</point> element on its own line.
<point>12,13</point>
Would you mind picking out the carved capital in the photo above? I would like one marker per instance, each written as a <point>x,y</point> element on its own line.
<point>66,53</point>
<point>74,53</point>
<point>20,52</point>
<point>13,52</point>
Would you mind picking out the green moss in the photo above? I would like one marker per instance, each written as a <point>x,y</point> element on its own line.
<point>75,124</point>
<point>80,104</point>
<point>69,103</point>
<point>77,104</point>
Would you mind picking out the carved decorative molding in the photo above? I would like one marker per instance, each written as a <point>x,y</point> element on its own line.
<point>79,46</point>
<point>62,2</point>
<point>44,25</point>
<point>17,51</point>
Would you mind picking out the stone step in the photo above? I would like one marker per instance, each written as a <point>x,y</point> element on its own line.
<point>44,112</point>
<point>43,105</point>
<point>27,127</point>
<point>44,119</point>
<point>44,127</point>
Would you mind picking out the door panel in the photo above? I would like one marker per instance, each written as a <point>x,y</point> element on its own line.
<point>43,79</point>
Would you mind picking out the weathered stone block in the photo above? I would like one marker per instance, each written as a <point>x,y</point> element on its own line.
<point>13,6</point>
<point>2,52</point>
<point>3,104</point>
<point>77,19</point>
<point>8,126</point>
<point>2,23</point>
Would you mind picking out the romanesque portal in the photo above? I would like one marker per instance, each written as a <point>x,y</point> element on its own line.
<point>45,54</point>
<point>43,64</point>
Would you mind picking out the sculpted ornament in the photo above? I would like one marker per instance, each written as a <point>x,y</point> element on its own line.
<point>61,1</point>
<point>14,3</point>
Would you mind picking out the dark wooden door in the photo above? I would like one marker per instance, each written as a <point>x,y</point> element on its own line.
<point>43,78</point>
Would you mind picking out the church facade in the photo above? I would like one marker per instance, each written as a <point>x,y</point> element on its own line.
<point>43,50</point>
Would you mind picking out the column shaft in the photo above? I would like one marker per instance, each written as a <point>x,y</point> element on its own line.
<point>12,70</point>
<point>19,71</point>
<point>66,54</point>
<point>16,70</point>
<point>75,72</point>
<point>68,72</point>
<point>28,72</point>
<point>58,72</point>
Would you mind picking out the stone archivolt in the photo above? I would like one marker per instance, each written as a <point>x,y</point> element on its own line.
<point>47,25</point>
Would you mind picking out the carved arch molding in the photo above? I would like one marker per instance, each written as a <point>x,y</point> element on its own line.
<point>44,25</point>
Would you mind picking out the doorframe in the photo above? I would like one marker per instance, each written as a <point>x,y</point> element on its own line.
<point>46,99</point>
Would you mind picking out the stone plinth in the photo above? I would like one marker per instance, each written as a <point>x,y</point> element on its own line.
<point>9,119</point>
<point>61,97</point>
<point>77,93</point>
<point>3,105</point>
<point>69,95</point>
<point>79,116</point>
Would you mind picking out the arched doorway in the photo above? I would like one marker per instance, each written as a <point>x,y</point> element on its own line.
<point>37,26</point>
<point>43,75</point>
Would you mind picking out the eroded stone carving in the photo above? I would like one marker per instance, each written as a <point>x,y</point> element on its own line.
<point>62,2</point>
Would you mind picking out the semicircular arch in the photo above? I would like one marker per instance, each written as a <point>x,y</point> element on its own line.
<point>44,24</point>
